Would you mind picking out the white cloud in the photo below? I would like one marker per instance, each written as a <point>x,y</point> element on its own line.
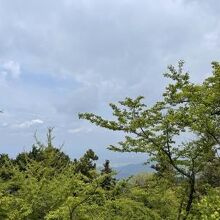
<point>10,68</point>
<point>78,130</point>
<point>28,124</point>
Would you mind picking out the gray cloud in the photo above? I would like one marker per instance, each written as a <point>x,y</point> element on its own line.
<point>102,38</point>
<point>80,100</point>
<point>91,52</point>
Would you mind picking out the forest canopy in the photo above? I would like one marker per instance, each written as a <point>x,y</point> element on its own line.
<point>181,135</point>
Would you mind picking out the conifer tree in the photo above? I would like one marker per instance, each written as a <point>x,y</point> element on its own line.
<point>109,181</point>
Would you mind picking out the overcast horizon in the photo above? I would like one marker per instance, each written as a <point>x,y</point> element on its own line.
<point>60,58</point>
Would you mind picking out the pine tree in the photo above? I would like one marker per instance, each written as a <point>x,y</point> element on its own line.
<point>109,181</point>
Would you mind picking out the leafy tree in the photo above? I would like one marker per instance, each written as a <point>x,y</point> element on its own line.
<point>45,191</point>
<point>181,135</point>
<point>155,193</point>
<point>44,180</point>
<point>5,163</point>
<point>44,153</point>
<point>180,132</point>
<point>211,174</point>
<point>208,208</point>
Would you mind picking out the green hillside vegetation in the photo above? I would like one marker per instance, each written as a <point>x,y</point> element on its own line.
<point>181,135</point>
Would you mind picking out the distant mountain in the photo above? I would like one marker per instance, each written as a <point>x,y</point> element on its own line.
<point>131,169</point>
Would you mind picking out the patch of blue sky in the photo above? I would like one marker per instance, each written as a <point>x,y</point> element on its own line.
<point>49,81</point>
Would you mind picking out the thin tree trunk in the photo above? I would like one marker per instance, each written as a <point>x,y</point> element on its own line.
<point>190,196</point>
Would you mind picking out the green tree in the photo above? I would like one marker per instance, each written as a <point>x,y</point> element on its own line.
<point>86,164</point>
<point>211,174</point>
<point>43,189</point>
<point>180,132</point>
<point>109,181</point>
<point>44,180</point>
<point>5,163</point>
<point>208,208</point>
<point>44,153</point>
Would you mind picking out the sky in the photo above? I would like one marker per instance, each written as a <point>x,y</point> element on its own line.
<point>59,58</point>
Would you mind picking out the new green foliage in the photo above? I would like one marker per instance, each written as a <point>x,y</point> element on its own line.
<point>181,135</point>
<point>181,132</point>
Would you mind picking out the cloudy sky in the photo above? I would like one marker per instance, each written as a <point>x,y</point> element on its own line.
<point>59,58</point>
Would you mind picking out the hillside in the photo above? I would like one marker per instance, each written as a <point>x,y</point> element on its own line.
<point>131,169</point>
